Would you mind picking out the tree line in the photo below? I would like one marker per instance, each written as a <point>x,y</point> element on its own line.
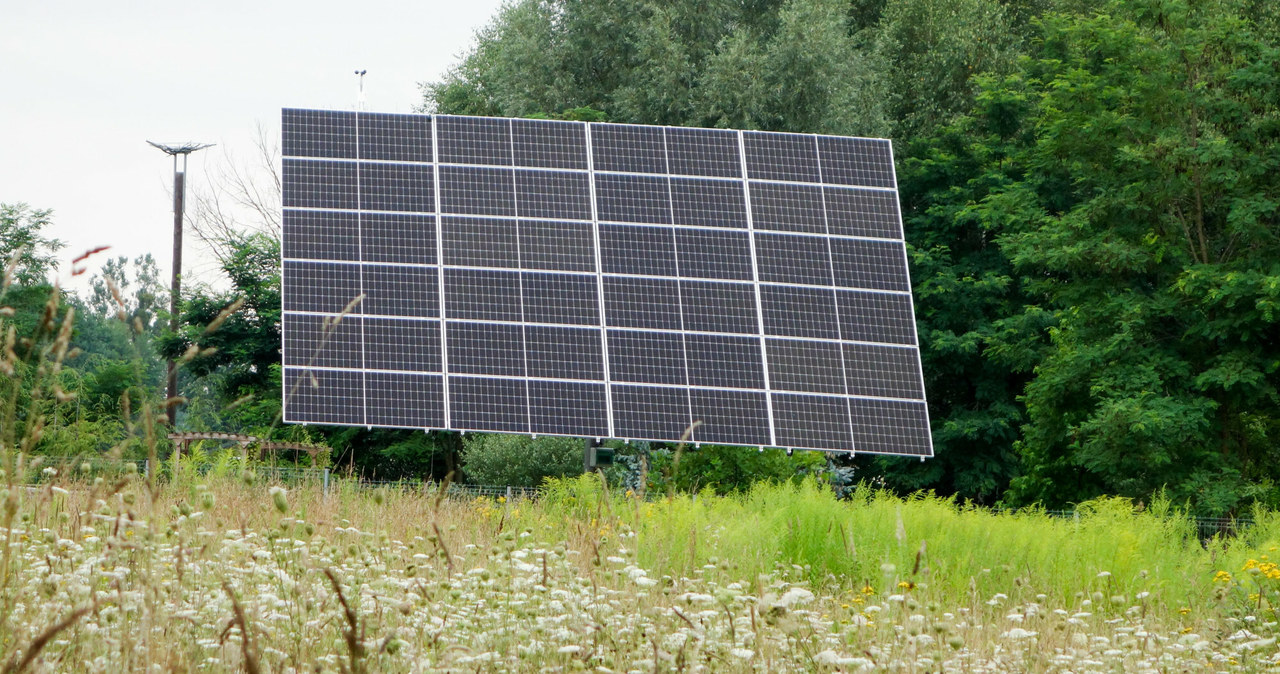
<point>1091,199</point>
<point>1090,195</point>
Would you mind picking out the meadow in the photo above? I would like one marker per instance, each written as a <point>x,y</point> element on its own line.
<point>230,573</point>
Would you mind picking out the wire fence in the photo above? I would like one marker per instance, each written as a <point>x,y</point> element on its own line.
<point>47,469</point>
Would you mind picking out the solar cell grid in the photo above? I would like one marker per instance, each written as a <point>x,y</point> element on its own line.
<point>787,258</point>
<point>567,408</point>
<point>628,148</point>
<point>325,396</point>
<point>558,245</point>
<point>318,133</point>
<point>714,254</point>
<point>861,212</point>
<point>474,190</point>
<point>400,238</point>
<point>703,152</point>
<point>708,203</point>
<point>319,235</point>
<point>319,184</point>
<point>394,137</point>
<point>398,290</point>
<point>730,417</point>
<point>787,208</point>
<point>607,280</point>
<point>781,156</point>
<point>553,194</point>
<point>401,344</point>
<point>564,352</point>
<point>322,341</point>
<point>549,144</point>
<point>396,187</point>
<point>405,400</point>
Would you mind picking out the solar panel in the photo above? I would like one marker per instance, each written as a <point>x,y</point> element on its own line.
<point>598,280</point>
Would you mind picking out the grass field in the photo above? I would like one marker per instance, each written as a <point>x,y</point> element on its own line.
<point>234,575</point>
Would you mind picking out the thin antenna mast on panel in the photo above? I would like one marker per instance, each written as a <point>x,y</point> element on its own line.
<point>361,103</point>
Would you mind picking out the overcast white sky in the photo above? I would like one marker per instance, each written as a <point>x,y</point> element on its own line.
<point>88,82</point>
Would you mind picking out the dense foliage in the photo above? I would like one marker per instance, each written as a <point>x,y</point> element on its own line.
<point>1091,200</point>
<point>1089,191</point>
<point>520,461</point>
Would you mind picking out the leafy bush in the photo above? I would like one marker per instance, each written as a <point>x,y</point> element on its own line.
<point>727,469</point>
<point>519,461</point>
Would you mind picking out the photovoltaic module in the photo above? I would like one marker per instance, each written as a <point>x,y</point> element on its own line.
<point>597,280</point>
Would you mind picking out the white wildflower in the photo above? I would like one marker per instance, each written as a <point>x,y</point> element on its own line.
<point>794,596</point>
<point>1018,634</point>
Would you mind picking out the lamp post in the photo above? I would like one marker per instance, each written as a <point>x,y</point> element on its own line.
<point>179,192</point>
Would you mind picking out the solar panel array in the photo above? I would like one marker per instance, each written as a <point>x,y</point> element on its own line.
<point>597,280</point>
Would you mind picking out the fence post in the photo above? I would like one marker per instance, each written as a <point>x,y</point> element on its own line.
<point>146,468</point>
<point>326,481</point>
<point>508,492</point>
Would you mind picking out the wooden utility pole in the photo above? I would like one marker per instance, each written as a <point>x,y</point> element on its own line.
<point>175,289</point>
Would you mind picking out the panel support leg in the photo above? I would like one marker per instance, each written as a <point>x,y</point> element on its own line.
<point>589,446</point>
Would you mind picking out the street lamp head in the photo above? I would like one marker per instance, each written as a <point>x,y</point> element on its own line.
<point>177,149</point>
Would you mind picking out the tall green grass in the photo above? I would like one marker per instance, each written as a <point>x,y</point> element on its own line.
<point>946,548</point>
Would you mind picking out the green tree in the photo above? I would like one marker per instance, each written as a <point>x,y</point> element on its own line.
<point>764,65</point>
<point>134,289</point>
<point>24,246</point>
<point>978,344</point>
<point>1147,221</point>
<point>236,333</point>
<point>932,50</point>
<point>119,323</point>
<point>44,373</point>
<point>727,469</point>
<point>517,460</point>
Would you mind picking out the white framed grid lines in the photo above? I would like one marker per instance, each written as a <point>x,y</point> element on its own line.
<point>807,183</point>
<point>444,330</point>
<point>876,203</point>
<point>640,384</point>
<point>524,337</point>
<point>755,280</point>
<point>561,220</point>
<point>364,361</point>
<point>915,334</point>
<point>595,241</point>
<point>542,232</point>
<point>831,260</point>
<point>616,328</point>
<point>675,250</point>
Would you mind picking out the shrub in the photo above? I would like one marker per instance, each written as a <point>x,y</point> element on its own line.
<point>519,461</point>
